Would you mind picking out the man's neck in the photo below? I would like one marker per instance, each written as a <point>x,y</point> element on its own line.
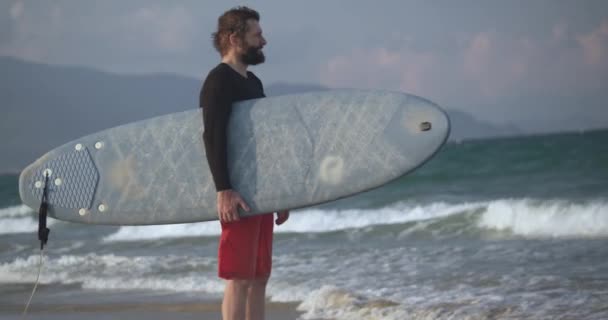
<point>235,64</point>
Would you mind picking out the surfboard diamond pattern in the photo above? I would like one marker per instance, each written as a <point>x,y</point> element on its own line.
<point>77,176</point>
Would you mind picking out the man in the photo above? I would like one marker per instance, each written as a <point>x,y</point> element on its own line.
<point>245,249</point>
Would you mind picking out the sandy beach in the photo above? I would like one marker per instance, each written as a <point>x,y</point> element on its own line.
<point>182,311</point>
<point>117,305</point>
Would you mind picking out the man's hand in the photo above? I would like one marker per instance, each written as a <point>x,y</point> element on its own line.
<point>228,202</point>
<point>282,216</point>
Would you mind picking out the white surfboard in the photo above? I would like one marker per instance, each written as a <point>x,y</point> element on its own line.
<point>284,152</point>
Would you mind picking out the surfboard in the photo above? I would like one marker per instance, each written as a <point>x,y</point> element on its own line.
<point>284,152</point>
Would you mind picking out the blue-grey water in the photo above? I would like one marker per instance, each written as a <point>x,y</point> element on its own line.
<point>503,229</point>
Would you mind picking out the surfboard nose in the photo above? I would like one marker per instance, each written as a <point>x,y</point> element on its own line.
<point>425,116</point>
<point>429,123</point>
<point>437,120</point>
<point>418,124</point>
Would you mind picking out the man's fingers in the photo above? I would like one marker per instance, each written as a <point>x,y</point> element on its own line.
<point>244,205</point>
<point>228,207</point>
<point>225,216</point>
<point>234,215</point>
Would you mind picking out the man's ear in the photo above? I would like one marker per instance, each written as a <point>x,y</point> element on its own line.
<point>234,39</point>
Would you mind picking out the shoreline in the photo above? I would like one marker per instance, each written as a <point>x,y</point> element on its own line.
<point>56,302</point>
<point>133,311</point>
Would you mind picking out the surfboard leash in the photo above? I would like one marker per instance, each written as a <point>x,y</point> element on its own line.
<point>43,236</point>
<point>43,231</point>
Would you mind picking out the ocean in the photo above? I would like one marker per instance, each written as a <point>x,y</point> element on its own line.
<point>509,228</point>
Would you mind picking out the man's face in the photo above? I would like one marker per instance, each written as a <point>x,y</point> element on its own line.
<point>250,50</point>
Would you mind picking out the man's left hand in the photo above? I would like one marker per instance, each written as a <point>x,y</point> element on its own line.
<point>282,216</point>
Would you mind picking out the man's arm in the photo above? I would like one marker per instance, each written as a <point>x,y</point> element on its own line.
<point>215,99</point>
<point>216,103</point>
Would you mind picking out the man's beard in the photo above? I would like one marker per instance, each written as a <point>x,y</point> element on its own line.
<point>253,56</point>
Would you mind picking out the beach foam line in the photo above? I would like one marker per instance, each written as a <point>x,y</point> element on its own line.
<point>547,218</point>
<point>329,302</point>
<point>303,221</point>
<point>19,219</point>
<point>522,217</point>
<point>115,272</point>
<point>15,211</point>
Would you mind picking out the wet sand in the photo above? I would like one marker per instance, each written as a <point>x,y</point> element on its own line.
<point>203,310</point>
<point>78,304</point>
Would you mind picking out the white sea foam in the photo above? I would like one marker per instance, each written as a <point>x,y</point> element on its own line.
<point>112,272</point>
<point>18,219</point>
<point>330,302</point>
<point>15,211</point>
<point>370,284</point>
<point>303,221</point>
<point>522,217</point>
<point>335,220</point>
<point>463,302</point>
<point>557,218</point>
<point>525,217</point>
<point>138,233</point>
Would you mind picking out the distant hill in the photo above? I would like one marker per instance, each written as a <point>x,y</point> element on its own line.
<point>465,126</point>
<point>44,106</point>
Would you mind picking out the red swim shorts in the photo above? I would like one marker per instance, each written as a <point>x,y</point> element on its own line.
<point>245,249</point>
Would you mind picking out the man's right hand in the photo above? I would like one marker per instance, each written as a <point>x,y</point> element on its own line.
<point>228,202</point>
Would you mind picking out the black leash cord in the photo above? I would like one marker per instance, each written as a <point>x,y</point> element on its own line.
<point>43,231</point>
<point>43,236</point>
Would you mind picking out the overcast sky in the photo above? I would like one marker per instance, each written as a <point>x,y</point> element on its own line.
<point>541,65</point>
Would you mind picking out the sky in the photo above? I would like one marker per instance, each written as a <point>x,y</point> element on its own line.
<point>538,65</point>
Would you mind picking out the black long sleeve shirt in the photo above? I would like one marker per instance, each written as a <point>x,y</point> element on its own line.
<point>223,87</point>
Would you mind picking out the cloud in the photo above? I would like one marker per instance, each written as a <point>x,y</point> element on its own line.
<point>403,69</point>
<point>559,31</point>
<point>32,32</point>
<point>595,45</point>
<point>166,29</point>
<point>69,33</point>
<point>482,67</point>
<point>495,64</point>
<point>16,10</point>
<point>477,54</point>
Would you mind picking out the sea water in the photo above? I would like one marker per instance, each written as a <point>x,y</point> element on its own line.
<point>500,228</point>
